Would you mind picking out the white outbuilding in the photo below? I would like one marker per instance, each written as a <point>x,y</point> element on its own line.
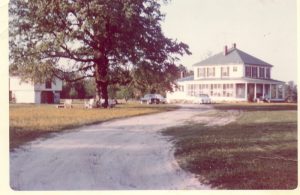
<point>29,92</point>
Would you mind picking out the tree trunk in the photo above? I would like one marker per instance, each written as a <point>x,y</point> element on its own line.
<point>104,93</point>
<point>101,78</point>
<point>98,94</point>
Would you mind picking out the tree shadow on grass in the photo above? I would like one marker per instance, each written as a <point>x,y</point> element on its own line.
<point>256,107</point>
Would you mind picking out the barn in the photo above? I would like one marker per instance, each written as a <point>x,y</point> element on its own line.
<point>29,92</point>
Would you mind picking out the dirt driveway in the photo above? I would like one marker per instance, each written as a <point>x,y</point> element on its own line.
<point>122,154</point>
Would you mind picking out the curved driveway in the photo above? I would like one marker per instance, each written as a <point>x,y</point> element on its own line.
<point>125,154</point>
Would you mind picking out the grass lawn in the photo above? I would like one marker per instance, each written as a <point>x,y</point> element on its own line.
<point>29,121</point>
<point>258,151</point>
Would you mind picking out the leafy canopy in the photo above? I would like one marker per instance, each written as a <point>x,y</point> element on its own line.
<point>105,39</point>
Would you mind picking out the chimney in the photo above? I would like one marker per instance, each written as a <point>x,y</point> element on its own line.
<point>225,50</point>
<point>182,74</point>
<point>234,46</point>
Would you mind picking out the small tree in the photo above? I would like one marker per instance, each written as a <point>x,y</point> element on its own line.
<point>89,87</point>
<point>150,79</point>
<point>76,89</point>
<point>73,93</point>
<point>291,92</point>
<point>75,39</point>
<point>125,92</point>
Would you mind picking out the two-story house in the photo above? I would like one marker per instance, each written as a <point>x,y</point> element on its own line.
<point>29,92</point>
<point>231,75</point>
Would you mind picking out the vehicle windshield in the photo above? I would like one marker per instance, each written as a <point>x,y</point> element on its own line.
<point>148,96</point>
<point>159,96</point>
<point>203,95</point>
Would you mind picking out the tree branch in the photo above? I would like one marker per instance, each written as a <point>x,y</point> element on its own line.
<point>67,75</point>
<point>68,56</point>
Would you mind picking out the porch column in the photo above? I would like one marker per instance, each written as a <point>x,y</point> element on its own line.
<point>276,86</point>
<point>246,91</point>
<point>263,91</point>
<point>270,90</point>
<point>234,90</point>
<point>254,91</point>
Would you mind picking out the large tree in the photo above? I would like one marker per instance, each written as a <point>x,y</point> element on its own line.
<point>75,39</point>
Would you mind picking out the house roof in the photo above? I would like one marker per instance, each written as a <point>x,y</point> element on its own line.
<point>189,78</point>
<point>245,79</point>
<point>234,55</point>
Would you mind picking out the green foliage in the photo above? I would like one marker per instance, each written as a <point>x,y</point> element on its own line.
<point>75,39</point>
<point>73,93</point>
<point>148,79</point>
<point>126,92</point>
<point>79,89</point>
<point>89,87</point>
<point>291,92</point>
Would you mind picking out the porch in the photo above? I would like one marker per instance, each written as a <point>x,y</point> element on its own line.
<point>255,91</point>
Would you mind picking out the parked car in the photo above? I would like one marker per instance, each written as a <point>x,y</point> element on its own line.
<point>202,99</point>
<point>161,99</point>
<point>153,99</point>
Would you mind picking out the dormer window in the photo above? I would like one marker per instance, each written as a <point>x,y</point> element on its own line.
<point>48,84</point>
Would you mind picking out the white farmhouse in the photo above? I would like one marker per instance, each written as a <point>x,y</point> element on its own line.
<point>231,75</point>
<point>28,92</point>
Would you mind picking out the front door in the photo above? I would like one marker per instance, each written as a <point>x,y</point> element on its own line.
<point>250,92</point>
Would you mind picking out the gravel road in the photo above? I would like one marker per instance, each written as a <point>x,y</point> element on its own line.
<point>124,154</point>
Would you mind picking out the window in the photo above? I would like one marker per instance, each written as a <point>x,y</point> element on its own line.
<point>268,74</point>
<point>190,90</point>
<point>201,72</point>
<point>240,90</point>
<point>254,72</point>
<point>234,69</point>
<point>262,72</point>
<point>225,71</point>
<point>248,71</point>
<point>48,84</point>
<point>211,72</point>
<point>180,88</point>
<point>280,91</point>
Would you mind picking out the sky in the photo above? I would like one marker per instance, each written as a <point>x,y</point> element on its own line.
<point>265,29</point>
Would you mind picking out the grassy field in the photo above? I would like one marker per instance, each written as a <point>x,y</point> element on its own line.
<point>258,151</point>
<point>28,121</point>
